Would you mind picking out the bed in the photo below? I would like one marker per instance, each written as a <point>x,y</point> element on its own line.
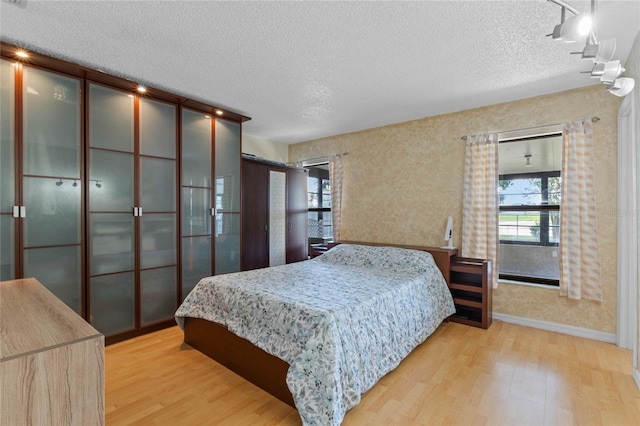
<point>318,334</point>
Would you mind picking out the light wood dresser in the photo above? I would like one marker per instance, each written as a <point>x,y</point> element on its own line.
<point>51,360</point>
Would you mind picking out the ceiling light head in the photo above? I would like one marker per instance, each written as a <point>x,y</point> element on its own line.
<point>142,89</point>
<point>22,54</point>
<point>600,52</point>
<point>59,183</point>
<point>219,112</point>
<point>607,72</point>
<point>574,29</point>
<point>621,86</point>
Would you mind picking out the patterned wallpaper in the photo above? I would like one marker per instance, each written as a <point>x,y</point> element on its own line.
<point>402,181</point>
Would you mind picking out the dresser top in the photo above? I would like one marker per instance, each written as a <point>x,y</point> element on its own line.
<point>32,319</point>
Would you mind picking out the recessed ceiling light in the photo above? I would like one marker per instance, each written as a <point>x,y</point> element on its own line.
<point>142,89</point>
<point>219,112</point>
<point>22,54</point>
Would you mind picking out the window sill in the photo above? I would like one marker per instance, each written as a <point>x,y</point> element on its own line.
<point>543,286</point>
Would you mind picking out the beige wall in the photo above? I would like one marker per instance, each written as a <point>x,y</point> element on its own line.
<point>265,148</point>
<point>402,181</point>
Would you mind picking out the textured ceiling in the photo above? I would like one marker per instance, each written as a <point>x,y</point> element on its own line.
<point>304,70</point>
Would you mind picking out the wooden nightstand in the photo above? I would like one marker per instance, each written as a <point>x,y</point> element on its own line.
<point>470,285</point>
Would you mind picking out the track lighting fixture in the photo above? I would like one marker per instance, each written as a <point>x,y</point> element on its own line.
<point>574,29</point>
<point>607,72</point>
<point>599,52</point>
<point>528,162</point>
<point>582,25</point>
<point>621,86</point>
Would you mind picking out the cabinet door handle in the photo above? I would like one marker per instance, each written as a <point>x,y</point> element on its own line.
<point>19,212</point>
<point>213,211</point>
<point>139,211</point>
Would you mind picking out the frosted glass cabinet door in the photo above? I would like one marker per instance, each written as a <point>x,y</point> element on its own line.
<point>158,184</point>
<point>7,170</point>
<point>227,169</point>
<point>51,160</point>
<point>158,223</point>
<point>158,240</point>
<point>111,118</point>
<point>157,129</point>
<point>111,200</point>
<point>158,295</point>
<point>196,211</point>
<point>112,303</point>
<point>53,212</point>
<point>227,197</point>
<point>196,149</point>
<point>111,181</point>
<point>227,243</point>
<point>51,125</point>
<point>61,267</point>
<point>196,262</point>
<point>197,222</point>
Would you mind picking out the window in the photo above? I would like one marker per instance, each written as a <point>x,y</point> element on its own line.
<point>530,208</point>
<point>529,193</point>
<point>319,197</point>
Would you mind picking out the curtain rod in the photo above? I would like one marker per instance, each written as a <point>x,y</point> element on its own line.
<point>594,119</point>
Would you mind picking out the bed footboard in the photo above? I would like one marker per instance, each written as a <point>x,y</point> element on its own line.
<point>240,356</point>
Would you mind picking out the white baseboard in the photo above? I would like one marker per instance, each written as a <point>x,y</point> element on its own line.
<point>636,377</point>
<point>559,328</point>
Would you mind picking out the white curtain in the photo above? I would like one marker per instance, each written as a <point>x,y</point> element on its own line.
<point>336,169</point>
<point>579,257</point>
<point>480,204</point>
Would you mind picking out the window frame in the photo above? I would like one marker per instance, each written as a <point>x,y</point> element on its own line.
<point>320,174</point>
<point>544,207</point>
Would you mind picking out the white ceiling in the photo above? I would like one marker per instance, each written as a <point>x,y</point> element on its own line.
<point>304,70</point>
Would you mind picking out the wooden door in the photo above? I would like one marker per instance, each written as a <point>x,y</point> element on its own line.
<point>255,217</point>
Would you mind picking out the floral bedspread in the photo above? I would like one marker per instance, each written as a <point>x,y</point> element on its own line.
<point>341,321</point>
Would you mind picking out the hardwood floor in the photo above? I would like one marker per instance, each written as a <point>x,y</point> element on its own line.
<point>507,375</point>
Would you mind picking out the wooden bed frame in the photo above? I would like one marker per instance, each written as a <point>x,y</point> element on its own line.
<point>257,366</point>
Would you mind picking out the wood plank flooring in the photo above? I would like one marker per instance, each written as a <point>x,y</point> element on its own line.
<point>507,375</point>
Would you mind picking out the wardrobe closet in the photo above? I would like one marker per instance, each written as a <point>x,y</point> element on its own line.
<point>117,202</point>
<point>274,214</point>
